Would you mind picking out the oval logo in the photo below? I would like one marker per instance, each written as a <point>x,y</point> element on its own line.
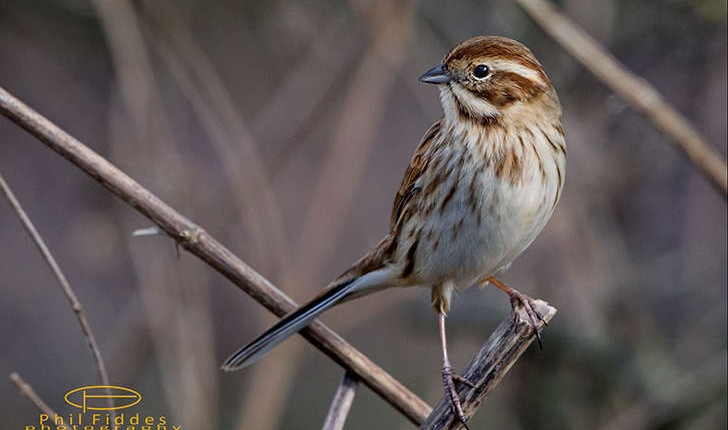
<point>93,397</point>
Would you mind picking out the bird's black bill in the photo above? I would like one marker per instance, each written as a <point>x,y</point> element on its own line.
<point>436,75</point>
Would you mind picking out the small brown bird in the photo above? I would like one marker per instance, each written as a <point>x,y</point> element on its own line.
<point>481,186</point>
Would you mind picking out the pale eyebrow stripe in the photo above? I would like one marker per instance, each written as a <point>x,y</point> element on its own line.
<point>517,68</point>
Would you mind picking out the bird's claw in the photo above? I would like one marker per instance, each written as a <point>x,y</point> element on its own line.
<point>463,380</point>
<point>534,317</point>
<point>448,379</point>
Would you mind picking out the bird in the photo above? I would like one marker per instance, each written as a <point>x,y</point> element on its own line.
<point>480,187</point>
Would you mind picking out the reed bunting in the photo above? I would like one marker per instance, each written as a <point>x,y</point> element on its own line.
<point>481,186</point>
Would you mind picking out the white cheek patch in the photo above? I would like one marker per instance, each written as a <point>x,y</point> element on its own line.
<point>477,106</point>
<point>448,103</point>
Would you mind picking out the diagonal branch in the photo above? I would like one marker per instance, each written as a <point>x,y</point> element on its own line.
<point>65,286</point>
<point>28,391</point>
<point>201,244</point>
<point>489,365</point>
<point>636,91</point>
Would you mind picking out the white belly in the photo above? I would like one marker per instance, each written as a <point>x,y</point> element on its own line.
<point>477,240</point>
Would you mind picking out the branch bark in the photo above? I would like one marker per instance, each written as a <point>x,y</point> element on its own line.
<point>200,243</point>
<point>489,365</point>
<point>636,91</point>
<point>341,403</point>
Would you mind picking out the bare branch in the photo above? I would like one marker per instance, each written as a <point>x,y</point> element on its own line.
<point>27,391</point>
<point>341,403</point>
<point>489,365</point>
<point>65,286</point>
<point>201,244</point>
<point>636,91</point>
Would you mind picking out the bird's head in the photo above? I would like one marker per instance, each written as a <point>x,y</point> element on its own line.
<point>490,78</point>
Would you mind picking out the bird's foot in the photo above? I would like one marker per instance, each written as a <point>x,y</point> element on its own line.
<point>448,379</point>
<point>518,299</point>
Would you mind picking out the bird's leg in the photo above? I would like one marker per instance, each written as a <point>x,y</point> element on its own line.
<point>516,298</point>
<point>449,377</point>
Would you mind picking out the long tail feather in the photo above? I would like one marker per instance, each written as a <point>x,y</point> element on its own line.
<point>300,318</point>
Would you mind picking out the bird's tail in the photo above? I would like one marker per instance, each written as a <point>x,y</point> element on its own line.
<point>290,324</point>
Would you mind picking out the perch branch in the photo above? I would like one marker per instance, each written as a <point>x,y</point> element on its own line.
<point>65,286</point>
<point>489,365</point>
<point>341,403</point>
<point>200,243</point>
<point>27,391</point>
<point>636,91</point>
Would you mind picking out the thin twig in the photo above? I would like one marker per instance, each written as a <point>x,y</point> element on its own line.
<point>27,391</point>
<point>640,94</point>
<point>65,286</point>
<point>201,244</point>
<point>489,365</point>
<point>341,403</point>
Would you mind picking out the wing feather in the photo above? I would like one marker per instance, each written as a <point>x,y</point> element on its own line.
<point>408,187</point>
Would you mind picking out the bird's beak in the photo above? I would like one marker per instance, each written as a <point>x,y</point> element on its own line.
<point>436,75</point>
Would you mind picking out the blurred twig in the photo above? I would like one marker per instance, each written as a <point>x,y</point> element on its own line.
<point>230,136</point>
<point>352,141</point>
<point>245,170</point>
<point>341,403</point>
<point>29,392</point>
<point>181,336</point>
<point>639,93</point>
<point>353,138</point>
<point>672,398</point>
<point>320,75</point>
<point>198,242</point>
<point>489,365</point>
<point>65,287</point>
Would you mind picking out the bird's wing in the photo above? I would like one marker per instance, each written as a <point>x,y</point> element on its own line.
<point>408,188</point>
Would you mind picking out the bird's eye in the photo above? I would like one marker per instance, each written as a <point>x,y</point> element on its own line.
<point>481,71</point>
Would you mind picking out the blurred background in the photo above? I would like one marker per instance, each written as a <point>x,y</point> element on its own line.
<point>283,128</point>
